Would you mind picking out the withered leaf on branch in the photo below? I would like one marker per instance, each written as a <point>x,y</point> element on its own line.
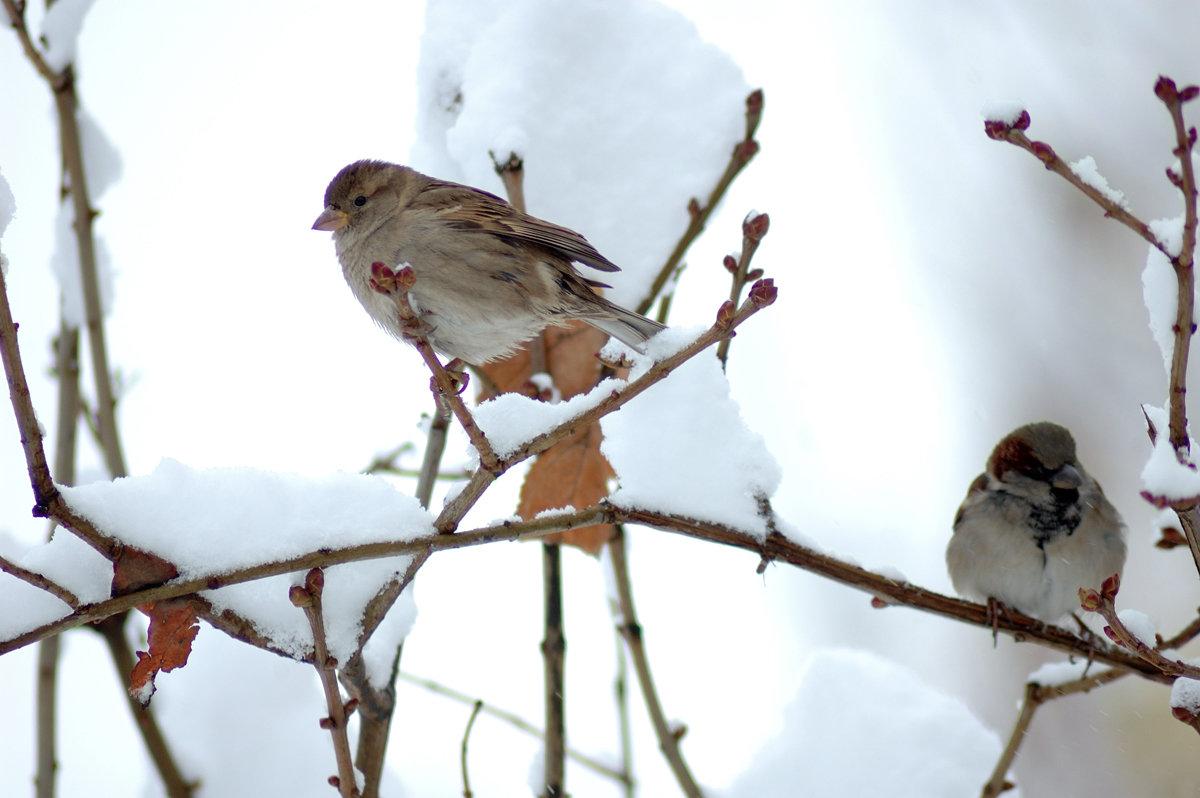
<point>134,569</point>
<point>173,627</point>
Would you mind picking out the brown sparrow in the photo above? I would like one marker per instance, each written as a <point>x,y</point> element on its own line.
<point>1035,528</point>
<point>488,277</point>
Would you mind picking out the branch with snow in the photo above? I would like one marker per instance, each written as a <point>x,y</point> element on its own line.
<point>1131,631</point>
<point>1171,303</point>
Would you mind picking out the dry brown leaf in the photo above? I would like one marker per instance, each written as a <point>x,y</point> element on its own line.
<point>134,569</point>
<point>173,627</point>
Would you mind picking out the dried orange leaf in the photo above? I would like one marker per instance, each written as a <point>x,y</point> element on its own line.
<point>173,627</point>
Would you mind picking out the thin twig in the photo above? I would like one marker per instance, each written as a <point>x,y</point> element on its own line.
<point>463,500</point>
<point>66,372</point>
<point>517,722</point>
<point>16,14</point>
<point>396,285</point>
<point>698,215</point>
<point>1036,695</point>
<point>631,630</point>
<point>754,227</point>
<point>467,736</point>
<point>1104,603</point>
<point>40,480</point>
<point>40,581</point>
<point>1182,261</point>
<point>435,448</point>
<point>308,598</point>
<point>621,699</point>
<point>1014,134</point>
<point>554,649</point>
<point>67,104</point>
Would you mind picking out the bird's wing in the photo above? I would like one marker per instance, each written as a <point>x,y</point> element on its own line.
<point>466,208</point>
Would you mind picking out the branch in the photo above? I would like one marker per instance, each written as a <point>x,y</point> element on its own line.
<point>466,736</point>
<point>631,631</point>
<point>16,15</point>
<point>40,581</point>
<point>40,480</point>
<point>754,227</point>
<point>554,655</point>
<point>504,530</point>
<point>435,447</point>
<point>1036,695</point>
<point>743,153</point>
<point>396,285</point>
<point>1014,134</point>
<point>775,547</point>
<point>1104,602</point>
<point>1185,325</point>
<point>308,598</point>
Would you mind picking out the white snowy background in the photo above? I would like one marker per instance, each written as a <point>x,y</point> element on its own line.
<point>937,289</point>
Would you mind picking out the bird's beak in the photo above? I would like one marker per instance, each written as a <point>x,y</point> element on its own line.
<point>1067,478</point>
<point>331,219</point>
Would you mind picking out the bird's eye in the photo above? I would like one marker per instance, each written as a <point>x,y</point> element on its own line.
<point>360,200</point>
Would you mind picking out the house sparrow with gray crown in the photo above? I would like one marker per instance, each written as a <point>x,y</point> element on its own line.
<point>1035,527</point>
<point>488,277</point>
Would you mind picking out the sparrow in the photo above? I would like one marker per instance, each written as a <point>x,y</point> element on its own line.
<point>488,276</point>
<point>1035,527</point>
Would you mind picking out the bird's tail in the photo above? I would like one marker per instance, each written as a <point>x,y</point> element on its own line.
<point>631,329</point>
